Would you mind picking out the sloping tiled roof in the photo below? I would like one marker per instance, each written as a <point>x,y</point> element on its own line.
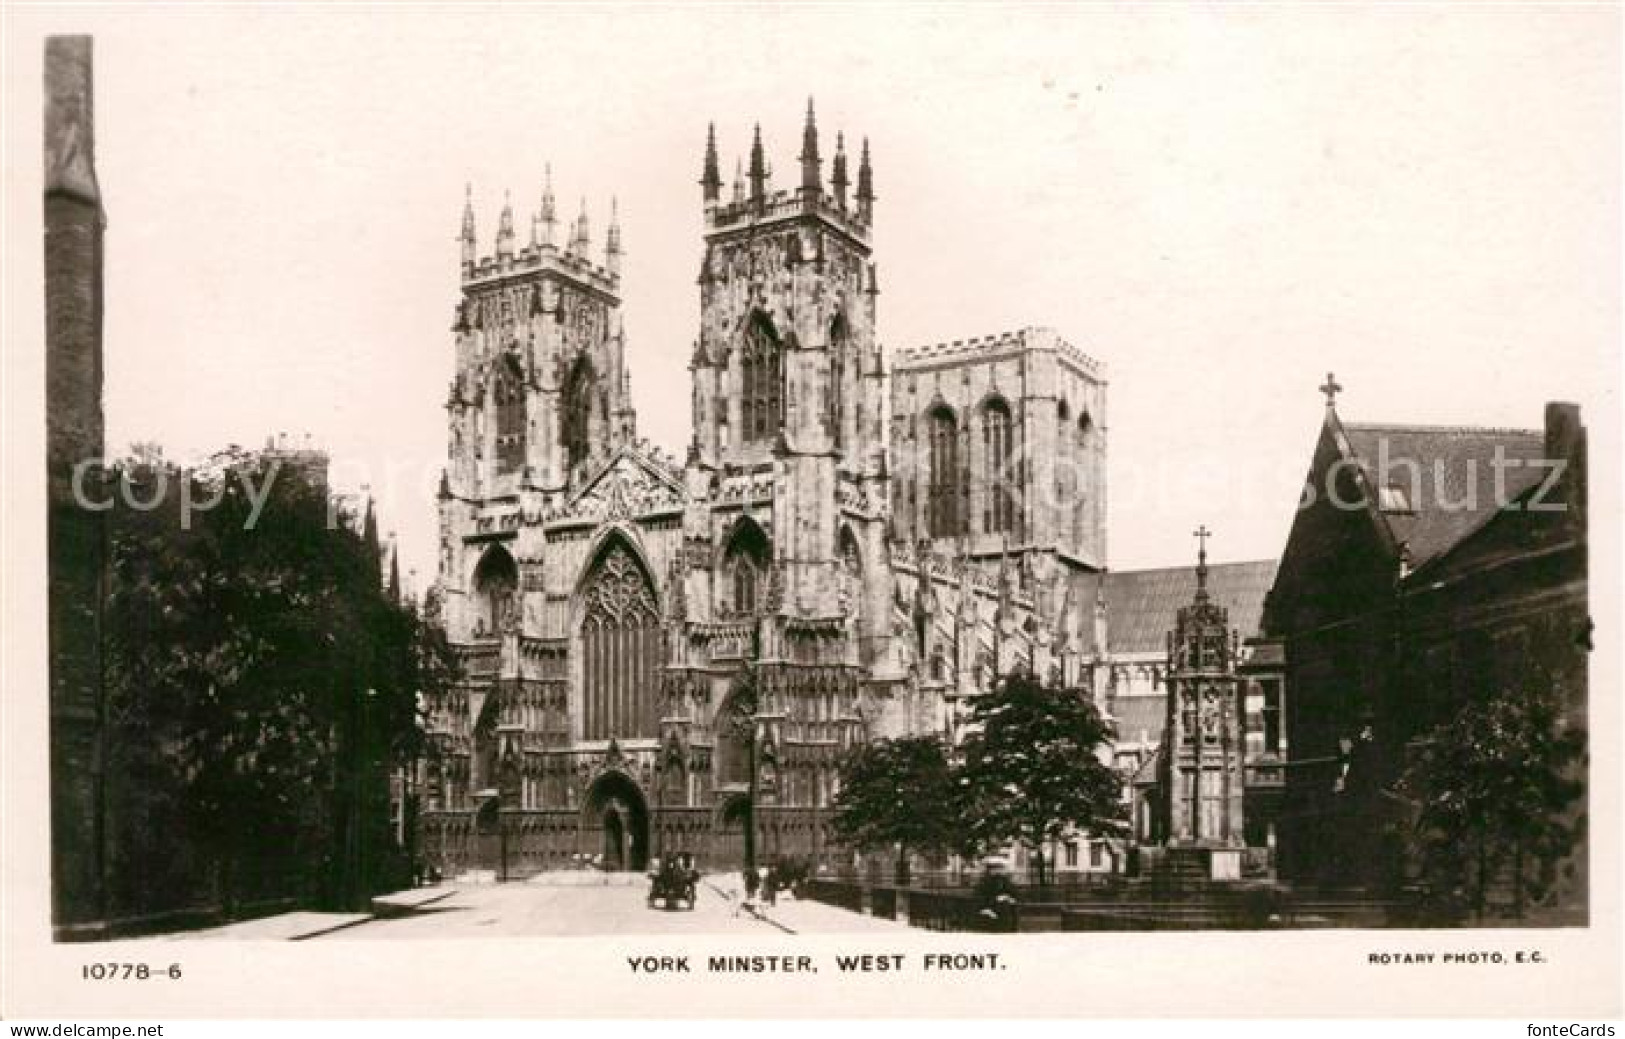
<point>1451,487</point>
<point>1141,605</point>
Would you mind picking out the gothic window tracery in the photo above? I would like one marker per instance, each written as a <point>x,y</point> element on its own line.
<point>745,565</point>
<point>509,396</point>
<point>942,493</point>
<point>762,381</point>
<point>838,337</point>
<point>998,479</point>
<point>620,646</point>
<point>580,386</point>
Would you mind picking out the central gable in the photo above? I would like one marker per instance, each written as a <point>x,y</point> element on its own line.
<point>627,485</point>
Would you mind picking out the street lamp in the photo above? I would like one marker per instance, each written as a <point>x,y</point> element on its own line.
<point>744,706</point>
<point>743,720</point>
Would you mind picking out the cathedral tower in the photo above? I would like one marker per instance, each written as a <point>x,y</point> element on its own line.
<point>539,399</point>
<point>540,385</point>
<point>787,379</point>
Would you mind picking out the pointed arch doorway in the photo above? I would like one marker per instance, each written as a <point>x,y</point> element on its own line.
<point>615,824</point>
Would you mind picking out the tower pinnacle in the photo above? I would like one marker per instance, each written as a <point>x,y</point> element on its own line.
<point>758,170</point>
<point>711,177</point>
<point>612,245</point>
<point>866,185</point>
<point>838,180</point>
<point>581,241</point>
<point>505,228</point>
<point>810,185</point>
<point>549,215</point>
<point>467,235</point>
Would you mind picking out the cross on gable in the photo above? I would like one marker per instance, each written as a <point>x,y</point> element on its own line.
<point>1331,389</point>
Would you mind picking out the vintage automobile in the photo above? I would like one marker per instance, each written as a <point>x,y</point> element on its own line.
<point>673,886</point>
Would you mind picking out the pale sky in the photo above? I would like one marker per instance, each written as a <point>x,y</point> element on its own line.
<point>1222,204</point>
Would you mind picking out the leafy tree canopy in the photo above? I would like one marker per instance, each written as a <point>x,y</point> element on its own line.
<point>251,649</point>
<point>1494,787</point>
<point>1032,768</point>
<point>898,792</point>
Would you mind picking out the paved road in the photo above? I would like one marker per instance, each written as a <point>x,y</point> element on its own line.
<point>532,909</point>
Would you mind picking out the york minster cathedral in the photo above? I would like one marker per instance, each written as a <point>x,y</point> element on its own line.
<point>876,539</point>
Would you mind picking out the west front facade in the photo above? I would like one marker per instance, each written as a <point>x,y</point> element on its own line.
<point>656,648</point>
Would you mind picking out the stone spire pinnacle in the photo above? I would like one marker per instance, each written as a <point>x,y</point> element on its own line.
<point>549,216</point>
<point>612,244</point>
<point>581,241</point>
<point>810,162</point>
<point>739,181</point>
<point>839,180</point>
<point>470,254</point>
<point>866,185</point>
<point>711,177</point>
<point>758,169</point>
<point>505,228</point>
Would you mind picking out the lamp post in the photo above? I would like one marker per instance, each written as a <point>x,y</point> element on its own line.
<point>744,707</point>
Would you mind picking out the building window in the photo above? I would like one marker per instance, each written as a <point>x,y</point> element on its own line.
<point>838,337</point>
<point>762,372</point>
<point>998,479</point>
<point>744,575</point>
<point>579,389</point>
<point>509,395</point>
<point>745,563</point>
<point>1271,688</point>
<point>620,647</point>
<point>1072,854</point>
<point>1097,855</point>
<point>943,493</point>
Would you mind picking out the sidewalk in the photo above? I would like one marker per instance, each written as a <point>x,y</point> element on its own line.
<point>799,916</point>
<point>283,927</point>
<point>302,924</point>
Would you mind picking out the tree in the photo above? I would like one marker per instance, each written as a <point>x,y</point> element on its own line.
<point>1032,768</point>
<point>898,793</point>
<point>255,664</point>
<point>1493,788</point>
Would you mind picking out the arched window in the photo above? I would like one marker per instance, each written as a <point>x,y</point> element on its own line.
<point>762,371</point>
<point>576,419</point>
<point>1081,472</point>
<point>495,580</point>
<point>744,565</point>
<point>998,473</point>
<point>510,417</point>
<point>943,490</point>
<point>620,648</point>
<point>1063,460</point>
<point>838,339</point>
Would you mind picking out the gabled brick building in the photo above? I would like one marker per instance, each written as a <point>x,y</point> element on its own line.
<point>1426,565</point>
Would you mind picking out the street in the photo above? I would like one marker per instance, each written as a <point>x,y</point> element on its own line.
<point>554,909</point>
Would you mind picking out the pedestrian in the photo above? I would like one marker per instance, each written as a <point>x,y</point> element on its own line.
<point>770,886</point>
<point>748,899</point>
